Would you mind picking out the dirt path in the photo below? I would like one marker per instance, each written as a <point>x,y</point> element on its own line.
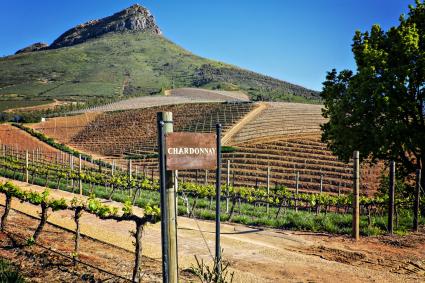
<point>266,255</point>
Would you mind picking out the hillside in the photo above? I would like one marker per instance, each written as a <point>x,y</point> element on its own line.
<point>284,137</point>
<point>121,56</point>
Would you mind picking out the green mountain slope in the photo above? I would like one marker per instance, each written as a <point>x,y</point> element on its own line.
<point>123,64</point>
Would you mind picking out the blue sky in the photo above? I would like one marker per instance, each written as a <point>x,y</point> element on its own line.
<point>296,41</point>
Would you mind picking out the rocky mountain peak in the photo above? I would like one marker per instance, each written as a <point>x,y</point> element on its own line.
<point>33,47</point>
<point>135,18</point>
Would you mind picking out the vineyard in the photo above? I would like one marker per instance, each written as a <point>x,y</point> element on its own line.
<point>283,119</point>
<point>134,131</point>
<point>286,181</point>
<point>247,205</point>
<point>282,139</point>
<point>204,94</point>
<point>173,96</point>
<point>12,137</point>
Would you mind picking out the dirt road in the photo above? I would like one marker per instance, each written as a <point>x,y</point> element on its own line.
<point>266,255</point>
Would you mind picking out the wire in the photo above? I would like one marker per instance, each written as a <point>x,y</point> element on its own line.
<point>69,257</point>
<point>203,237</point>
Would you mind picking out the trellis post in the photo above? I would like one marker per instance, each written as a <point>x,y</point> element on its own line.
<point>168,203</point>
<point>26,167</point>
<point>356,189</point>
<point>391,198</point>
<point>297,180</point>
<point>268,189</point>
<point>227,185</point>
<point>80,181</point>
<point>417,201</point>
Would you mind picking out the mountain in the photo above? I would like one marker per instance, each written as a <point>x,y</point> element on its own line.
<point>125,55</point>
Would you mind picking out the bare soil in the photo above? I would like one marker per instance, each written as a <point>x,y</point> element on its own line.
<point>19,139</point>
<point>255,254</point>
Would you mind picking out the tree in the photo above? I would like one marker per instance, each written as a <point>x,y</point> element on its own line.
<point>379,110</point>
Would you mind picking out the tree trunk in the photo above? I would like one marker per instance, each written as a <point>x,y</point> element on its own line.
<point>422,191</point>
<point>193,207</point>
<point>58,183</point>
<point>138,252</point>
<point>43,220</point>
<point>369,218</point>
<point>278,210</point>
<point>232,209</point>
<point>135,195</point>
<point>6,212</point>
<point>47,180</point>
<point>112,192</point>
<point>77,216</point>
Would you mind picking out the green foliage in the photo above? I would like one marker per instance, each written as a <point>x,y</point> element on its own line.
<point>121,65</point>
<point>9,273</point>
<point>316,212</point>
<point>95,206</point>
<point>380,109</point>
<point>228,149</point>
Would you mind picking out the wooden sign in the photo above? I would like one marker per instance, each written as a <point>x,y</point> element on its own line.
<point>187,151</point>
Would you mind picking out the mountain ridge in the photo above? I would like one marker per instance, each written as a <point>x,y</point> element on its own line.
<point>121,56</point>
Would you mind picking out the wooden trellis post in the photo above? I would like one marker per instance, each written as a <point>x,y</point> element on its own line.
<point>391,198</point>
<point>356,189</point>
<point>227,186</point>
<point>297,180</point>
<point>26,167</point>
<point>80,181</point>
<point>268,189</point>
<point>417,201</point>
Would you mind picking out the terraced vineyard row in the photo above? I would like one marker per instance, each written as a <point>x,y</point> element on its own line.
<point>134,131</point>
<point>281,119</point>
<point>63,129</point>
<point>317,168</point>
<point>15,139</point>
<point>206,94</point>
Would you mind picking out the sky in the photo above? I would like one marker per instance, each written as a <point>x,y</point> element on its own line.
<point>292,40</point>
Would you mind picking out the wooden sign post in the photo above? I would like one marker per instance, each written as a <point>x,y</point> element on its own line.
<point>183,151</point>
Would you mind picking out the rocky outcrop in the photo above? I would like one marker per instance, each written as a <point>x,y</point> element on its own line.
<point>135,18</point>
<point>33,47</point>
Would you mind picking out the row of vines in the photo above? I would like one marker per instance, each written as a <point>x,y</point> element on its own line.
<point>79,206</point>
<point>191,195</point>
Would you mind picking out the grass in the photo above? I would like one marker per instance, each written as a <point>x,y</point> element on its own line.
<point>9,273</point>
<point>144,63</point>
<point>248,214</point>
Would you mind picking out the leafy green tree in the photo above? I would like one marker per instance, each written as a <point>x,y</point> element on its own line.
<point>379,110</point>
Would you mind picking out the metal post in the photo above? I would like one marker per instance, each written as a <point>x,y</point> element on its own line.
<point>356,190</point>
<point>164,230</point>
<point>206,178</point>
<point>26,167</point>
<point>227,186</point>
<point>417,201</point>
<point>168,203</point>
<point>391,198</point>
<point>268,188</point>
<point>217,201</point>
<point>80,182</point>
<point>321,183</point>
